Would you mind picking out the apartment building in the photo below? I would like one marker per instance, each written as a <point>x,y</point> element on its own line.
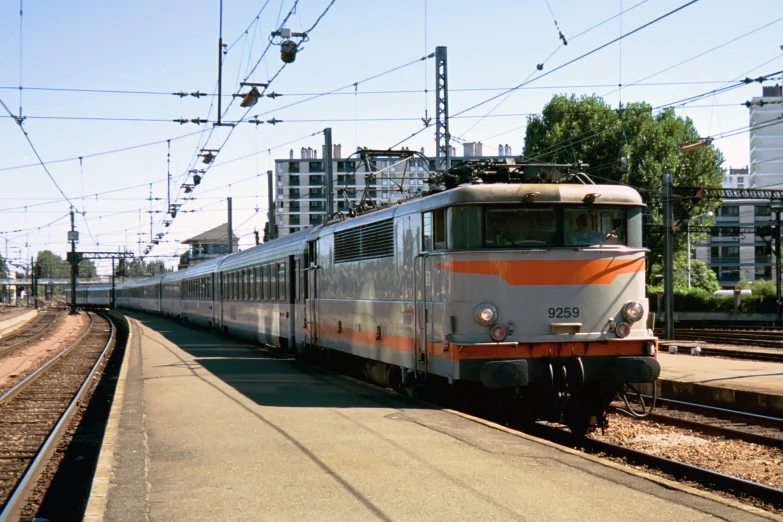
<point>300,183</point>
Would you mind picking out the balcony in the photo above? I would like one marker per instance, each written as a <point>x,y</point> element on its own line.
<point>346,180</point>
<point>346,166</point>
<point>293,206</point>
<point>316,166</point>
<point>293,193</point>
<point>293,181</point>
<point>317,181</point>
<point>293,166</point>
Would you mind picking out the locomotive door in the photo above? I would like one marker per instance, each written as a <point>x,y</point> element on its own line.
<point>422,286</point>
<point>213,298</point>
<point>311,293</point>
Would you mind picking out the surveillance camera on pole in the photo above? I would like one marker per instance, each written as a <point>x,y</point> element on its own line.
<point>288,47</point>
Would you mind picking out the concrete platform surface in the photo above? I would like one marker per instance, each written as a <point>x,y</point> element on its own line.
<point>738,374</point>
<point>752,386</point>
<point>210,428</point>
<point>15,319</point>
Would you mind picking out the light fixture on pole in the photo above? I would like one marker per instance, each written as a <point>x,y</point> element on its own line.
<point>288,47</point>
<point>706,214</point>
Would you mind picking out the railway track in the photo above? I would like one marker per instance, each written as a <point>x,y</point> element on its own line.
<point>36,413</point>
<point>31,331</point>
<point>764,339</point>
<point>711,479</point>
<point>757,429</point>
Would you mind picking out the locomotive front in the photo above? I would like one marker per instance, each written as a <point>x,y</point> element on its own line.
<point>542,293</point>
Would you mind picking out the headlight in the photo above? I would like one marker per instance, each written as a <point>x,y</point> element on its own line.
<point>622,330</point>
<point>486,314</point>
<point>633,311</point>
<point>498,332</point>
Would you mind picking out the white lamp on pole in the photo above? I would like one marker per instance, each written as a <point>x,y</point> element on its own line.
<point>706,214</point>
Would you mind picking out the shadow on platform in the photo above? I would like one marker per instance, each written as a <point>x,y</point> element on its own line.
<point>267,378</point>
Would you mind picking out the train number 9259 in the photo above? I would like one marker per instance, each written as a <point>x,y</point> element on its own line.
<point>567,312</point>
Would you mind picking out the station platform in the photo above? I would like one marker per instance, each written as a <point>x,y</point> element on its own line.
<point>206,427</point>
<point>15,318</point>
<point>750,386</point>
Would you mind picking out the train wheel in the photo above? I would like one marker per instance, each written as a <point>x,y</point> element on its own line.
<point>579,416</point>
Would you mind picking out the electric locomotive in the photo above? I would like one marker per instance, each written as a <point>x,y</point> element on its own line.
<point>527,279</point>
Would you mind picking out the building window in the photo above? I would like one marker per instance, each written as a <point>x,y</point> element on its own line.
<point>732,211</point>
<point>293,193</point>
<point>763,210</point>
<point>763,272</point>
<point>316,166</point>
<point>293,166</point>
<point>279,192</point>
<point>317,181</point>
<point>293,181</point>
<point>346,166</point>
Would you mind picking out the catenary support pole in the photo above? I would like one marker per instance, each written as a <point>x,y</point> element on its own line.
<point>779,305</point>
<point>668,256</point>
<point>111,297</point>
<point>74,263</point>
<point>220,67</point>
<point>329,173</point>
<point>230,230</point>
<point>271,229</point>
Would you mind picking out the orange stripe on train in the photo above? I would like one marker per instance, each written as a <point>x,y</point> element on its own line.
<point>517,272</point>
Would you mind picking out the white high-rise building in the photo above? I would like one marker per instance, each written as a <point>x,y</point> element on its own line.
<point>766,139</point>
<point>300,184</point>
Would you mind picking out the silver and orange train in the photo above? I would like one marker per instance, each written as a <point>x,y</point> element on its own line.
<point>533,290</point>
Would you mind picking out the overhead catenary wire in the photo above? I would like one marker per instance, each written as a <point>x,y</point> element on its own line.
<point>708,51</point>
<point>19,122</point>
<point>551,71</point>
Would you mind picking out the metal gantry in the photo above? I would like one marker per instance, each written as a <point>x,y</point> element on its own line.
<point>442,135</point>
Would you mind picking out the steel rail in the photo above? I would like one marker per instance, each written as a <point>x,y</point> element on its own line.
<point>680,470</point>
<point>717,429</point>
<point>23,341</point>
<point>719,415</point>
<point>16,502</point>
<point>27,381</point>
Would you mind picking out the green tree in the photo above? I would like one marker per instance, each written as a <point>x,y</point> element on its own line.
<point>702,276</point>
<point>3,268</point>
<point>53,265</point>
<point>87,269</point>
<point>140,268</point>
<point>630,146</point>
<point>587,129</point>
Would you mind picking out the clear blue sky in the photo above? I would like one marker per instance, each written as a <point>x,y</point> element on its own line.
<point>172,46</point>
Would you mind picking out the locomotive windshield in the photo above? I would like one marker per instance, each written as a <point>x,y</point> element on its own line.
<point>539,226</point>
<point>552,227</point>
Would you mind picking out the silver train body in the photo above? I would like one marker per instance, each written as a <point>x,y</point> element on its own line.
<point>96,296</point>
<point>541,298</point>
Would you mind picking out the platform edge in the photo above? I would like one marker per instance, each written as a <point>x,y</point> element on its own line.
<point>96,504</point>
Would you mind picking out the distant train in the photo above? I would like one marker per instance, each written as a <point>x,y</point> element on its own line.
<point>534,290</point>
<point>95,296</point>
